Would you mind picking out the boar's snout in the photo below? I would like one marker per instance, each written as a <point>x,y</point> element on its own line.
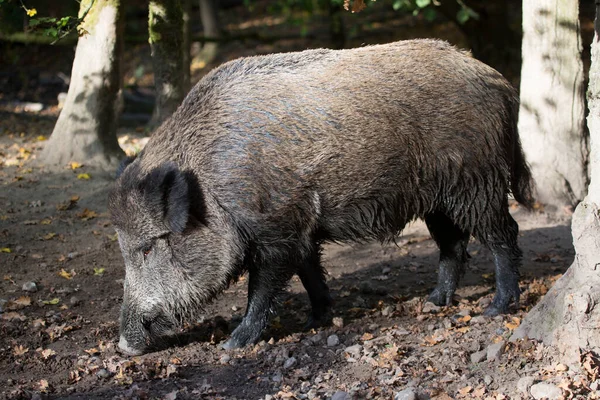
<point>140,332</point>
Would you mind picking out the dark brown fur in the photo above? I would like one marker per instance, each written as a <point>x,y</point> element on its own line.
<point>289,150</point>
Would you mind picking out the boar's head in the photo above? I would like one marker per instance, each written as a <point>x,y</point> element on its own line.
<point>175,260</point>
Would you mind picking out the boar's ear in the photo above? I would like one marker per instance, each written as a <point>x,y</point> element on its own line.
<point>168,190</point>
<point>124,164</point>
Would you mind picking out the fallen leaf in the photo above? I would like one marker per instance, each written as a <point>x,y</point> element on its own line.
<point>20,350</point>
<point>465,319</point>
<point>49,236</point>
<point>46,221</point>
<point>84,176</point>
<point>75,165</point>
<point>463,329</point>
<point>66,275</point>
<point>31,222</point>
<point>47,353</point>
<point>5,250</point>
<point>23,301</point>
<point>87,214</point>
<point>9,316</point>
<point>53,301</point>
<point>98,271</point>
<point>513,324</point>
<point>92,351</point>
<point>41,138</point>
<point>44,385</point>
<point>466,390</point>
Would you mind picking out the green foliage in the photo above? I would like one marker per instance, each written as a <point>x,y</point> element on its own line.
<point>428,9</point>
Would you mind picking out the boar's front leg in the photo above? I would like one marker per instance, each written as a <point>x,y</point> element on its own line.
<point>266,281</point>
<point>312,275</point>
<point>452,242</point>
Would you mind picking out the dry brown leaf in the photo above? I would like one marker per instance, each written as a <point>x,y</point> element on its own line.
<point>358,6</point>
<point>47,353</point>
<point>92,351</point>
<point>466,390</point>
<point>9,316</point>
<point>44,385</point>
<point>46,221</point>
<point>49,236</point>
<point>463,329</point>
<point>87,214</point>
<point>23,301</point>
<point>513,324</point>
<point>479,391</point>
<point>465,319</point>
<point>20,350</point>
<point>366,336</point>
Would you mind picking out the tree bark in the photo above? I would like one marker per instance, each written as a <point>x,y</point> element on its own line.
<point>86,130</point>
<point>210,29</point>
<point>187,36</point>
<point>551,117</point>
<point>165,29</point>
<point>568,317</point>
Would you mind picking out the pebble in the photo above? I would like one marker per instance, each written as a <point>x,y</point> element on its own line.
<point>525,383</point>
<point>30,287</point>
<point>268,397</point>
<point>74,301</point>
<point>102,373</point>
<point>341,395</point>
<point>480,319</point>
<point>386,270</point>
<point>224,359</point>
<point>386,311</point>
<point>464,312</point>
<point>72,255</point>
<point>488,380</point>
<point>333,340</point>
<point>406,394</point>
<point>277,377</point>
<point>318,338</point>
<point>484,302</point>
<point>429,307</point>
<point>354,351</point>
<point>547,391</point>
<point>478,356</point>
<point>338,322</point>
<point>312,394</point>
<point>289,363</point>
<point>495,351</point>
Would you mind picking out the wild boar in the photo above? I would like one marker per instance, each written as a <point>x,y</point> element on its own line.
<point>270,156</point>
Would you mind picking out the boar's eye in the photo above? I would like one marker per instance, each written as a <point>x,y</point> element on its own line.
<point>146,250</point>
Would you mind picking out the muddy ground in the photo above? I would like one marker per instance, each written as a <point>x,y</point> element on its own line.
<point>58,340</point>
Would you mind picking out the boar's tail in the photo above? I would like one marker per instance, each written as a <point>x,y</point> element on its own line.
<point>521,184</point>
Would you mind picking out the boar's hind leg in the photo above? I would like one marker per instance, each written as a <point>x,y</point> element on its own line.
<point>500,236</point>
<point>312,275</point>
<point>452,242</point>
<point>266,281</point>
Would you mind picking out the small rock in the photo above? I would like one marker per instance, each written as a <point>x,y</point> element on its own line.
<point>484,302</point>
<point>289,363</point>
<point>495,351</point>
<point>386,270</point>
<point>386,311</point>
<point>341,395</point>
<point>333,340</point>
<point>464,312</point>
<point>338,322</point>
<point>72,255</point>
<point>488,380</point>
<point>234,308</point>
<point>74,301</point>
<point>268,397</point>
<point>547,391</point>
<point>480,319</point>
<point>224,359</point>
<point>277,377</point>
<point>478,356</point>
<point>595,385</point>
<point>525,383</point>
<point>354,351</point>
<point>406,394</point>
<point>30,287</point>
<point>102,373</point>
<point>429,307</point>
<point>312,394</point>
<point>2,304</point>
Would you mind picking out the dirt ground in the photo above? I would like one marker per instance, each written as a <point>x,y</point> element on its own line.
<point>58,340</point>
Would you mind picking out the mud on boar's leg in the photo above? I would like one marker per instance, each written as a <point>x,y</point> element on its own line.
<point>502,241</point>
<point>452,242</point>
<point>312,275</point>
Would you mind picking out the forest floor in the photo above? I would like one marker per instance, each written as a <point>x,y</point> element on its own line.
<point>61,287</point>
<point>61,278</point>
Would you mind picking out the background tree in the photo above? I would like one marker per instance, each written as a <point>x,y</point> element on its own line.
<point>551,118</point>
<point>568,316</point>
<point>86,128</point>
<point>165,29</point>
<point>211,30</point>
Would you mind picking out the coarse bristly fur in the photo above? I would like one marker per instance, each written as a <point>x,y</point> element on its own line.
<point>270,156</point>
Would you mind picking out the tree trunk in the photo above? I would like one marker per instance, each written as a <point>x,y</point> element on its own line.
<point>165,28</point>
<point>568,317</point>
<point>210,29</point>
<point>552,113</point>
<point>187,35</point>
<point>86,130</point>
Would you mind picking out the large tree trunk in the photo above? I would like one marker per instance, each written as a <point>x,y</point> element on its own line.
<point>552,114</point>
<point>86,130</point>
<point>165,29</point>
<point>568,317</point>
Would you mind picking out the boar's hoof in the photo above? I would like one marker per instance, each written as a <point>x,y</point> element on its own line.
<point>314,321</point>
<point>441,296</point>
